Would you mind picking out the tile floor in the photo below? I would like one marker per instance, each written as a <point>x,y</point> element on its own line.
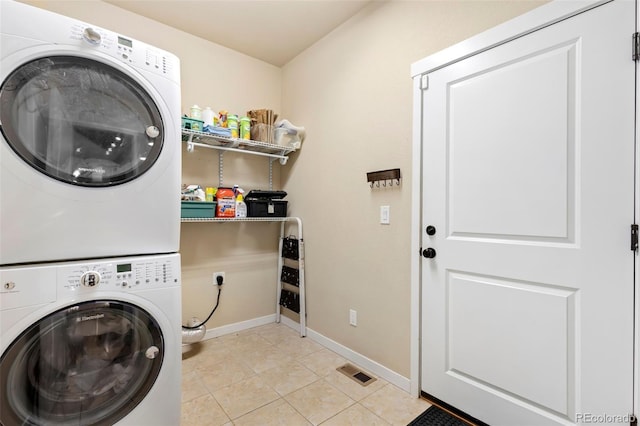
<point>270,376</point>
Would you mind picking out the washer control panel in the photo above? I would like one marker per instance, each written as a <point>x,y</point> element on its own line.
<point>121,274</point>
<point>30,285</point>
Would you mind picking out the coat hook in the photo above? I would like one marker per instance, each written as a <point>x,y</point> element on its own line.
<point>377,184</point>
<point>384,183</point>
<point>371,184</point>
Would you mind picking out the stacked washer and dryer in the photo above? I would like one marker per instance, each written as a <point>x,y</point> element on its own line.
<point>90,296</point>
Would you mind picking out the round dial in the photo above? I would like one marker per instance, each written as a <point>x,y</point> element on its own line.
<point>90,279</point>
<point>91,36</point>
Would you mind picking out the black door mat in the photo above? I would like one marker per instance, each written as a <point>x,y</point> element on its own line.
<point>435,416</point>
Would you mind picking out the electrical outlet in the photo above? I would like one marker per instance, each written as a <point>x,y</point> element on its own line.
<point>215,277</point>
<point>384,215</point>
<point>353,317</point>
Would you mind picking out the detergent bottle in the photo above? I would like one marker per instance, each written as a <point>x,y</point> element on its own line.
<point>241,206</point>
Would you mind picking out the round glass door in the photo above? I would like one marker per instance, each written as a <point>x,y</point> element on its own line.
<point>88,364</point>
<point>80,121</point>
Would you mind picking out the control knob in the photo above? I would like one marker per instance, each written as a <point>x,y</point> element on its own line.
<point>90,279</point>
<point>91,36</point>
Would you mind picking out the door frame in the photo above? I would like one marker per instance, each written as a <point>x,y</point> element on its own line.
<point>527,23</point>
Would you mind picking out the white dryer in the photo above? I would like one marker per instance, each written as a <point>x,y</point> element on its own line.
<point>91,342</point>
<point>90,151</point>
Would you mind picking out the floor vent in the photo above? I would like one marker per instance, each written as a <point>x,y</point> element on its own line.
<point>356,374</point>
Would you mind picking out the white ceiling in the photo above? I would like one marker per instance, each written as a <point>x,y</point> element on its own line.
<point>274,31</point>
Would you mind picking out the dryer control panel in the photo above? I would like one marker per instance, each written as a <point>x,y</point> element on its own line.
<point>127,50</point>
<point>33,23</point>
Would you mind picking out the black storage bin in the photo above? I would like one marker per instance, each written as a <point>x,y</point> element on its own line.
<point>266,204</point>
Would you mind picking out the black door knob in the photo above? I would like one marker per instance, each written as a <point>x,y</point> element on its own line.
<point>431,230</point>
<point>429,253</point>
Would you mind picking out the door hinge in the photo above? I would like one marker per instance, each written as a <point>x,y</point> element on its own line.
<point>634,237</point>
<point>424,82</point>
<point>635,47</point>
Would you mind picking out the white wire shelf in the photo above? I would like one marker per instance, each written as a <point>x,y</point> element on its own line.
<point>194,139</point>
<point>237,219</point>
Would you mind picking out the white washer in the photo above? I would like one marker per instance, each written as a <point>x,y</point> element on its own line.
<point>90,152</point>
<point>91,342</point>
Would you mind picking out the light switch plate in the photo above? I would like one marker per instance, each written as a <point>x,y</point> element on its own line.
<point>384,215</point>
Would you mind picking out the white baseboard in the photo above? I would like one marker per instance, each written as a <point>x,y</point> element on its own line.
<point>349,354</point>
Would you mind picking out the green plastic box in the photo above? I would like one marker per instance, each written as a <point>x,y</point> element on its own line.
<point>192,124</point>
<point>198,209</point>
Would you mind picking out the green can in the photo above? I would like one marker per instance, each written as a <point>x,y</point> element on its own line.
<point>232,124</point>
<point>245,128</point>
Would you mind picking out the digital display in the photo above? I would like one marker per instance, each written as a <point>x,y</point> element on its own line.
<point>124,41</point>
<point>125,267</point>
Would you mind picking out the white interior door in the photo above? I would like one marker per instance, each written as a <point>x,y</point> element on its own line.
<point>528,179</point>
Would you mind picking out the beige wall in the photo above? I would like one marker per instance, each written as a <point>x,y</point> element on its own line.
<point>353,93</point>
<point>214,76</point>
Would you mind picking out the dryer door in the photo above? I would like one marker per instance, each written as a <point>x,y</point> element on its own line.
<point>88,364</point>
<point>80,121</point>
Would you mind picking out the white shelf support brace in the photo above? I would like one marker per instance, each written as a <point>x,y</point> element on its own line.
<point>190,146</point>
<point>220,167</point>
<point>270,174</point>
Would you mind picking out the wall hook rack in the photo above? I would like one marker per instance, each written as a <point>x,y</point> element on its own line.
<point>382,176</point>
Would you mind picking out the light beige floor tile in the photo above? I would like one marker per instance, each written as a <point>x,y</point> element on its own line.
<point>319,401</point>
<point>263,359</point>
<point>244,341</point>
<point>224,373</point>
<point>245,396</point>
<point>298,347</point>
<point>276,413</point>
<point>216,346</point>
<point>356,415</point>
<point>203,411</point>
<point>276,334</point>
<point>289,378</point>
<point>352,388</point>
<point>191,358</point>
<point>192,387</point>
<point>394,405</point>
<point>322,362</point>
<point>209,359</point>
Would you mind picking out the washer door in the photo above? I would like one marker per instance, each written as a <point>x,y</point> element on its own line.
<point>80,121</point>
<point>88,364</point>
